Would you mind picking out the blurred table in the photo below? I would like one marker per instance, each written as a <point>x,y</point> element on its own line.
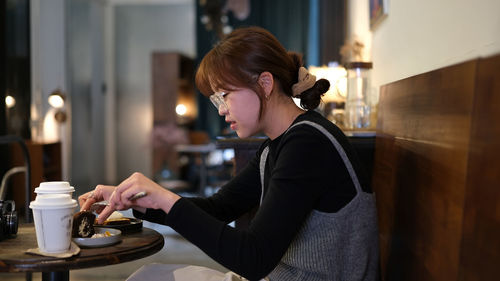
<point>202,150</point>
<point>132,247</point>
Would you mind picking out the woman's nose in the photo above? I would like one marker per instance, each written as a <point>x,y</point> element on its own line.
<point>223,110</point>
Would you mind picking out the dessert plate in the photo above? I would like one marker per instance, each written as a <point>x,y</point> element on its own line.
<point>100,241</point>
<point>133,225</point>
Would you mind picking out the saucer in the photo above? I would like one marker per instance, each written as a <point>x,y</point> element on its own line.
<point>100,241</point>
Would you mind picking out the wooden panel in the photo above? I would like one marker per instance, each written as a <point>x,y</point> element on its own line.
<point>480,256</point>
<point>172,82</point>
<point>166,67</point>
<point>420,172</point>
<point>46,165</point>
<point>332,29</point>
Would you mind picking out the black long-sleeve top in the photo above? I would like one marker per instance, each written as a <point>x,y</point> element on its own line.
<point>303,172</point>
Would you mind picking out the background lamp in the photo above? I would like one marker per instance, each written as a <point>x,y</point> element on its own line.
<point>186,108</point>
<point>10,101</point>
<point>181,109</point>
<point>337,76</point>
<point>56,99</point>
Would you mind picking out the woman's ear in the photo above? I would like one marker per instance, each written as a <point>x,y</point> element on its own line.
<point>266,81</point>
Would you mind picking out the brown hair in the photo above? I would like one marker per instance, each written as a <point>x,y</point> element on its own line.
<point>242,56</point>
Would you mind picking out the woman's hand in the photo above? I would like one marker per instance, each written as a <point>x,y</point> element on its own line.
<point>157,197</point>
<point>100,193</point>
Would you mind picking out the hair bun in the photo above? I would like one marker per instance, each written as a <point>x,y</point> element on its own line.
<point>311,98</point>
<point>322,85</point>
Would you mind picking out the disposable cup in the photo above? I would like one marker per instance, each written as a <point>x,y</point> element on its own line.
<point>53,216</point>
<point>55,187</point>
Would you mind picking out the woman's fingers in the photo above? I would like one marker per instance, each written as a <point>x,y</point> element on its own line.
<point>133,185</point>
<point>115,203</point>
<point>86,200</point>
<point>101,192</point>
<point>105,214</point>
<point>119,199</point>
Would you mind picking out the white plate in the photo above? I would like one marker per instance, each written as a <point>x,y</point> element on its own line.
<point>116,236</point>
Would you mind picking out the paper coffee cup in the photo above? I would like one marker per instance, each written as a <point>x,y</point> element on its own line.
<point>53,216</point>
<point>55,187</point>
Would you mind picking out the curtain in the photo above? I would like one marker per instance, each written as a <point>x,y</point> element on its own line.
<point>288,20</point>
<point>332,17</point>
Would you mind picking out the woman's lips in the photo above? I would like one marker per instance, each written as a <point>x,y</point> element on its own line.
<point>232,124</point>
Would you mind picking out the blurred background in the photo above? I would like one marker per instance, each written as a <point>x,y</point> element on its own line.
<point>100,89</point>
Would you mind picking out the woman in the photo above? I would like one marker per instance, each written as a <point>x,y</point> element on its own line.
<point>316,218</point>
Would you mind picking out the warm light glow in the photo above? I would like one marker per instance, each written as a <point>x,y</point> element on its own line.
<point>51,128</point>
<point>10,101</point>
<point>181,109</point>
<point>56,101</point>
<point>337,76</point>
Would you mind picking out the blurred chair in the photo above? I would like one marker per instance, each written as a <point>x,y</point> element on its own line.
<point>8,139</point>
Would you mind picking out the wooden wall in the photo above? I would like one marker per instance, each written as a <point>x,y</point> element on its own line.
<point>437,174</point>
<point>172,81</point>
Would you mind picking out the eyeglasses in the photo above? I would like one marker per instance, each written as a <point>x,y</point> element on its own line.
<point>218,100</point>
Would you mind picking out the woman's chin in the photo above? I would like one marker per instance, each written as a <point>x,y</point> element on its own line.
<point>242,135</point>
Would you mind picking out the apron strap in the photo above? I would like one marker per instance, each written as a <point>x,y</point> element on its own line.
<point>262,167</point>
<point>336,144</point>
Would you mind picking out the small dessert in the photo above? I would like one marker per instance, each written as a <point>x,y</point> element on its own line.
<point>116,218</point>
<point>83,224</point>
<point>102,235</point>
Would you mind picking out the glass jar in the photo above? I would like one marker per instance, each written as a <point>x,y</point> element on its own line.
<point>358,105</point>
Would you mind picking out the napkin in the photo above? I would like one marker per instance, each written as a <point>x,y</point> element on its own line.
<point>73,250</point>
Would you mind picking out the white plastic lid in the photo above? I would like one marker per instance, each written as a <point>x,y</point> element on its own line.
<point>53,187</point>
<point>53,201</point>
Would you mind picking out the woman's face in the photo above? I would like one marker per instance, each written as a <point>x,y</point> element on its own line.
<point>242,113</point>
